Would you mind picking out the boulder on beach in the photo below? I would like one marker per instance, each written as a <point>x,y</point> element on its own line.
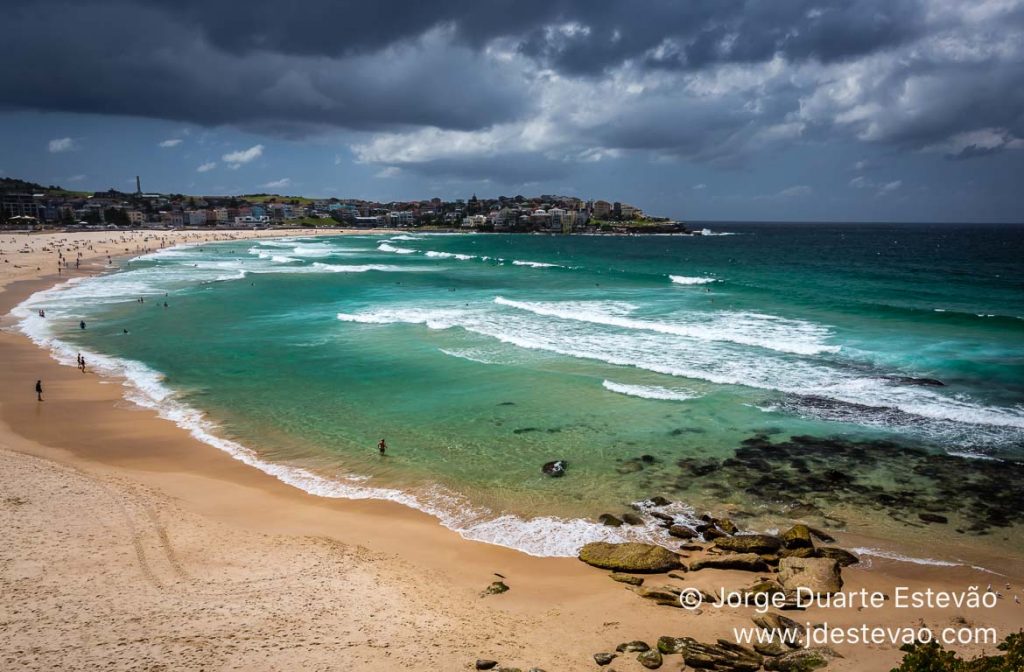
<point>933,518</point>
<point>669,645</point>
<point>724,656</point>
<point>627,578</point>
<point>798,536</point>
<point>819,575</point>
<point>632,519</point>
<point>629,557</point>
<point>749,562</point>
<point>633,647</point>
<point>651,659</point>
<point>749,543</point>
<point>609,520</point>
<point>802,660</point>
<point>840,555</point>
<point>555,468</point>
<point>604,658</point>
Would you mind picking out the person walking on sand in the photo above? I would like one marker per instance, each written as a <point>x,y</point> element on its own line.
<point>382,446</point>
<point>39,390</point>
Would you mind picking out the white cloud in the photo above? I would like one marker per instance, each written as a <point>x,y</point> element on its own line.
<point>278,184</point>
<point>243,156</point>
<point>700,187</point>
<point>390,171</point>
<point>890,187</point>
<point>207,167</point>
<point>796,191</point>
<point>881,189</point>
<point>170,142</point>
<point>76,178</point>
<point>58,145</point>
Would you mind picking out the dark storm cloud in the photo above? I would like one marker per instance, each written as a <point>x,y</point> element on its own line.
<point>915,74</point>
<point>139,59</point>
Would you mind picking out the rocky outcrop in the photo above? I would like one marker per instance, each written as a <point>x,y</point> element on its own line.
<point>748,562</point>
<point>724,656</point>
<point>802,660</point>
<point>842,556</point>
<point>629,557</point>
<point>604,658</point>
<point>651,659</point>
<point>682,532</point>
<point>670,645</point>
<point>627,578</point>
<point>798,536</point>
<point>819,575</point>
<point>749,543</point>
<point>609,520</point>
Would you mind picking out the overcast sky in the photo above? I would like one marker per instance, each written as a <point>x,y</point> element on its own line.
<point>898,110</point>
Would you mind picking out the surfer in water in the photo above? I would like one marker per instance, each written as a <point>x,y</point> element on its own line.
<point>382,446</point>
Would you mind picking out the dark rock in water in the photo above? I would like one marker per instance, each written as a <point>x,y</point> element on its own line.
<point>664,517</point>
<point>821,536</point>
<point>629,467</point>
<point>658,500</point>
<point>670,645</point>
<point>496,588</point>
<point>933,518</point>
<point>802,660</point>
<point>798,536</point>
<point>651,659</point>
<point>725,656</point>
<point>726,525</point>
<point>710,533</point>
<point>691,547</point>
<point>749,562</point>
<point>750,543</point>
<point>486,664</point>
<point>633,647</point>
<point>627,578</point>
<point>609,520</point>
<point>603,659</point>
<point>555,468</point>
<point>910,380</point>
<point>632,519</point>
<point>842,556</point>
<point>507,403</point>
<point>525,430</point>
<point>647,459</point>
<point>629,557</point>
<point>682,532</point>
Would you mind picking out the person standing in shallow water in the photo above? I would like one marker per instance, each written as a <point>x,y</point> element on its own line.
<point>81,325</point>
<point>39,390</point>
<point>382,446</point>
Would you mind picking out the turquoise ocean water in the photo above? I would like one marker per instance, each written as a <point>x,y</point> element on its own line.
<point>674,366</point>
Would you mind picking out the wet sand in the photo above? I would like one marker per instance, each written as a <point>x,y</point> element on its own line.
<point>130,545</point>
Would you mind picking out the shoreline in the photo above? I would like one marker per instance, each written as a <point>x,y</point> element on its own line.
<point>86,426</point>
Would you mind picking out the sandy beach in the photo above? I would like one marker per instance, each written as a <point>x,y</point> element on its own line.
<point>130,545</point>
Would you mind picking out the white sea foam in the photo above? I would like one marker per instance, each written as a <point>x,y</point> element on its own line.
<point>387,247</point>
<point>899,557</point>
<point>363,268</point>
<point>650,391</point>
<point>718,362</point>
<point>684,280</point>
<point>709,232</point>
<point>405,237</point>
<point>535,264</point>
<point>754,329</point>
<point>449,255</point>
